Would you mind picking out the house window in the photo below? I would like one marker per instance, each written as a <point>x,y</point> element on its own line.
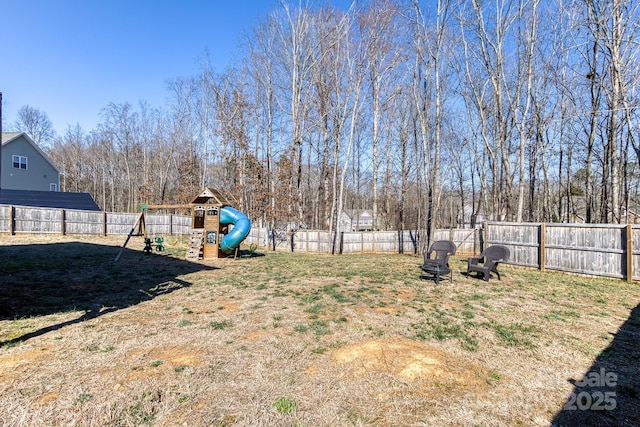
<point>53,187</point>
<point>19,162</point>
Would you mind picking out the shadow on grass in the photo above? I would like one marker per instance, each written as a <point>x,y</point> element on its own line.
<point>41,279</point>
<point>243,253</point>
<point>609,393</point>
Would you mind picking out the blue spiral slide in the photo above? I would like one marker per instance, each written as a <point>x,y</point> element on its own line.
<point>241,228</point>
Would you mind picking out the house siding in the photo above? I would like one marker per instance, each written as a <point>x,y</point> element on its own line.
<point>39,175</point>
<point>356,220</point>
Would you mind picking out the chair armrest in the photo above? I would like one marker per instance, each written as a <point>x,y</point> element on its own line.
<point>434,263</point>
<point>474,260</point>
<point>494,263</point>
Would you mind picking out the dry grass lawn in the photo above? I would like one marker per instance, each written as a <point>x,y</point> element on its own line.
<point>301,340</point>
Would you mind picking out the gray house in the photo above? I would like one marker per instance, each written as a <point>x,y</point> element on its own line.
<point>25,166</point>
<point>30,178</point>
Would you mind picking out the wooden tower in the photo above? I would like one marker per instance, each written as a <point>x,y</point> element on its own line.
<point>206,230</point>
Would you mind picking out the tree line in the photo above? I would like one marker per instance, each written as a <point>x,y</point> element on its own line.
<point>428,114</point>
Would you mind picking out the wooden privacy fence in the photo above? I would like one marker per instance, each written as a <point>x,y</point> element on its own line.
<point>610,250</point>
<point>317,241</point>
<point>21,219</point>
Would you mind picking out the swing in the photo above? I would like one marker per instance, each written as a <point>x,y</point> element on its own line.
<point>159,244</point>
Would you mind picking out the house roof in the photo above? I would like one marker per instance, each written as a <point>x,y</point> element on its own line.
<point>9,137</point>
<point>358,213</point>
<point>49,199</point>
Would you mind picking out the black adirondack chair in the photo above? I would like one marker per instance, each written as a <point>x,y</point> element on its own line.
<point>488,261</point>
<point>438,265</point>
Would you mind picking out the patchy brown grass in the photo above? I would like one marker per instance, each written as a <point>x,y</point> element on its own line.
<point>295,340</point>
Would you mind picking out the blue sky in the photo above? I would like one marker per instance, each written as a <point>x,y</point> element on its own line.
<point>70,58</point>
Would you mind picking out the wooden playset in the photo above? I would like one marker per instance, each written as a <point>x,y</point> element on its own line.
<point>211,215</point>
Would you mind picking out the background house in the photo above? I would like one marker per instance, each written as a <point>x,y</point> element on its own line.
<point>466,218</point>
<point>356,220</point>
<point>25,166</point>
<point>28,177</point>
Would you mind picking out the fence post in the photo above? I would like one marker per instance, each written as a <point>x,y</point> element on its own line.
<point>104,223</point>
<point>12,220</point>
<point>629,250</point>
<point>541,247</point>
<point>476,240</point>
<point>373,240</point>
<point>63,222</point>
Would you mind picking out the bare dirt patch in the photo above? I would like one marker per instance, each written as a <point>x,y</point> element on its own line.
<point>409,360</point>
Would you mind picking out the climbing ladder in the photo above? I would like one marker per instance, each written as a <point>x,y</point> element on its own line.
<point>196,246</point>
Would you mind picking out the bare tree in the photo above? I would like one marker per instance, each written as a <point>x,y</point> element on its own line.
<point>68,151</point>
<point>618,23</point>
<point>379,27</point>
<point>520,101</point>
<point>430,79</point>
<point>260,64</point>
<point>509,113</point>
<point>297,53</point>
<point>188,161</point>
<point>605,32</point>
<point>36,124</point>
